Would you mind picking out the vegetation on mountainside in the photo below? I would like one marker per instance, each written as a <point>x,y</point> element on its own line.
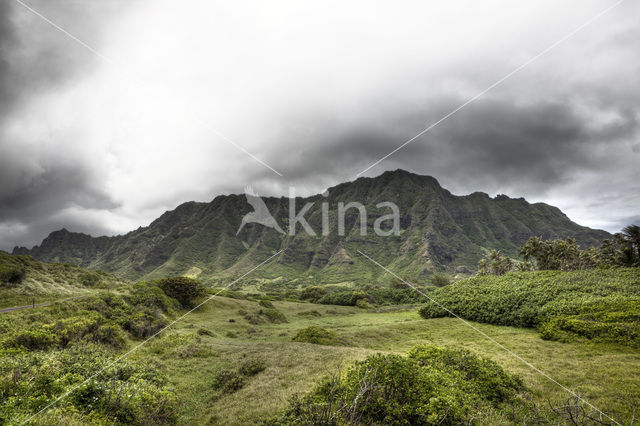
<point>439,231</point>
<point>431,385</point>
<point>599,304</point>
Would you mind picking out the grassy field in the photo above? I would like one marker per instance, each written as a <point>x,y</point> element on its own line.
<point>47,350</point>
<point>605,375</point>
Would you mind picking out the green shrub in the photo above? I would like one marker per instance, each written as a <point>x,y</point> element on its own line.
<point>184,290</point>
<point>205,332</point>
<point>344,298</point>
<point>110,334</point>
<point>266,304</point>
<point>144,323</point>
<point>429,386</point>
<point>34,339</point>
<point>11,274</point>
<point>614,321</point>
<point>151,296</point>
<point>229,381</point>
<point>252,367</point>
<point>400,295</point>
<point>313,293</point>
<point>319,336</point>
<point>124,393</point>
<point>312,313</point>
<point>562,305</point>
<point>89,279</point>
<point>274,316</point>
<point>440,280</point>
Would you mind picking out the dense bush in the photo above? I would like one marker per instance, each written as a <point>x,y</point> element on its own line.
<point>531,299</point>
<point>125,393</point>
<point>46,352</point>
<point>274,316</point>
<point>344,298</point>
<point>252,367</point>
<point>313,293</point>
<point>266,304</point>
<point>184,290</point>
<point>404,295</point>
<point>319,336</point>
<point>89,279</point>
<point>11,274</point>
<point>229,381</point>
<point>429,386</point>
<point>616,321</point>
<point>440,280</point>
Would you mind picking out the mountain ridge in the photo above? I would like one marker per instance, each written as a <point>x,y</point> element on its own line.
<point>439,231</point>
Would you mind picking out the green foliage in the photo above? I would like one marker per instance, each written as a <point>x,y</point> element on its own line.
<point>274,316</point>
<point>319,336</point>
<point>204,332</point>
<point>565,255</point>
<point>343,298</point>
<point>313,293</point>
<point>429,386</point>
<point>182,241</point>
<point>628,246</point>
<point>11,274</point>
<point>440,280</point>
<point>495,264</point>
<point>403,295</point>
<point>184,290</point>
<point>252,367</point>
<point>584,303</point>
<point>89,279</point>
<point>229,381</point>
<point>614,321</point>
<point>123,393</point>
<point>266,304</point>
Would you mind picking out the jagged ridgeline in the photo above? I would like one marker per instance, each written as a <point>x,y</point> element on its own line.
<point>439,231</point>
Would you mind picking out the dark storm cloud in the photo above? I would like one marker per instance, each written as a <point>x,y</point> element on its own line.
<point>37,184</point>
<point>492,141</point>
<point>318,105</point>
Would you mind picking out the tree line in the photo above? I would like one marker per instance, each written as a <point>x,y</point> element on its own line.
<point>623,250</point>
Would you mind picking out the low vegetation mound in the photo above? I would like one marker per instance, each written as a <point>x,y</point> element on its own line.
<point>319,336</point>
<point>429,386</point>
<point>599,304</point>
<point>47,352</point>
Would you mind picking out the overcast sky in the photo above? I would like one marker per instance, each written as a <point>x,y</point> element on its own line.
<point>105,141</point>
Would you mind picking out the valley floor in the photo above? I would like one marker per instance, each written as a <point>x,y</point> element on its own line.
<point>606,376</point>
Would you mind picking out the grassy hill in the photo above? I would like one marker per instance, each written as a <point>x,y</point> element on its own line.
<point>439,231</point>
<point>47,281</point>
<point>598,304</point>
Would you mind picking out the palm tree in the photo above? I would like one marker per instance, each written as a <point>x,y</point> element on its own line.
<point>631,234</point>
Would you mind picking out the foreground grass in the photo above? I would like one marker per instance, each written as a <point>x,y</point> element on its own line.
<point>605,375</point>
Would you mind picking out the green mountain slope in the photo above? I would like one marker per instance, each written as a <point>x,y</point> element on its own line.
<point>438,231</point>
